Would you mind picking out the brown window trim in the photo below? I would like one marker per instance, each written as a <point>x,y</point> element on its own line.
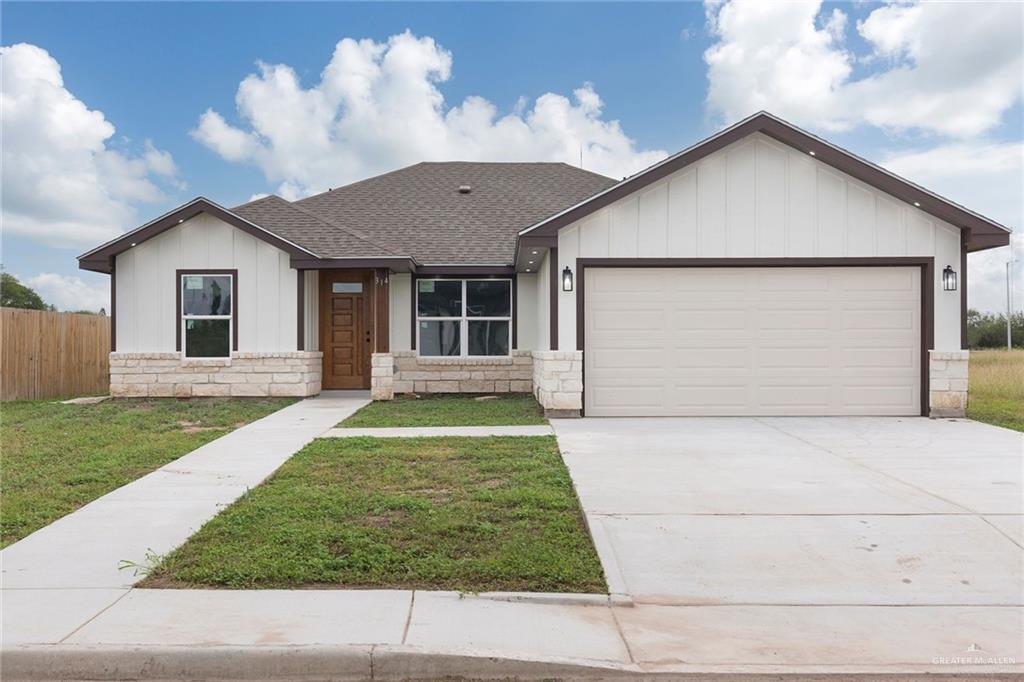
<point>926,263</point>
<point>234,302</point>
<point>513,276</point>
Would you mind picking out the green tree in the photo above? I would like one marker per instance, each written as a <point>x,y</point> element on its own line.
<point>985,330</point>
<point>14,294</point>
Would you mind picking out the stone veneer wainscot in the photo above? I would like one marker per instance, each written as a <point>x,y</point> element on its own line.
<point>169,375</point>
<point>554,377</point>
<point>947,378</point>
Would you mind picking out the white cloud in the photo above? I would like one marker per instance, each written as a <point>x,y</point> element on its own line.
<point>63,184</point>
<point>953,68</point>
<point>70,293</point>
<point>989,174</point>
<point>378,106</point>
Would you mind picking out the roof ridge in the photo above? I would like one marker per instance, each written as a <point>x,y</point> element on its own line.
<point>346,230</point>
<point>588,172</point>
<point>357,182</point>
<point>256,201</point>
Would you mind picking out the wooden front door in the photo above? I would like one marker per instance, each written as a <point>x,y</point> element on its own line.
<point>346,328</point>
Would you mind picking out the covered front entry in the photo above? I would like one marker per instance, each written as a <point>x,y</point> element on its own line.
<point>353,325</point>
<point>753,341</point>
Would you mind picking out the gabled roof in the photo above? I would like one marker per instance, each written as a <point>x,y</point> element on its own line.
<point>408,217</point>
<point>101,258</point>
<point>420,212</point>
<point>983,232</point>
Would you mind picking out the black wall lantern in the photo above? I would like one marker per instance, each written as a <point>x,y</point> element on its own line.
<point>949,278</point>
<point>567,279</point>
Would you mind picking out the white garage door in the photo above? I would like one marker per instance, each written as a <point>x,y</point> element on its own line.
<point>752,341</point>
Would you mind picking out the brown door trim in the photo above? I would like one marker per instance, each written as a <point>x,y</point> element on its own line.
<point>365,330</point>
<point>927,265</point>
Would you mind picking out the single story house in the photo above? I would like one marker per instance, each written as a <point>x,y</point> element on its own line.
<point>762,271</point>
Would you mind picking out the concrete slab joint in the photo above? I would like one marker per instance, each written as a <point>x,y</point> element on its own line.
<point>244,374</point>
<point>558,381</point>
<point>419,374</point>
<point>947,378</point>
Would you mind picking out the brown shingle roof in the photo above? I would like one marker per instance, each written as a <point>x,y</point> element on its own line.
<point>308,230</point>
<point>419,211</point>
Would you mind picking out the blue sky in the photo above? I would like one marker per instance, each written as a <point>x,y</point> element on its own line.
<point>154,69</point>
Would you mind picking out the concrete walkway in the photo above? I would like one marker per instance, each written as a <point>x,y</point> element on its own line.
<point>436,431</point>
<point>57,578</point>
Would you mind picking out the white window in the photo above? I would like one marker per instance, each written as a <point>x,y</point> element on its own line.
<point>463,317</point>
<point>207,320</point>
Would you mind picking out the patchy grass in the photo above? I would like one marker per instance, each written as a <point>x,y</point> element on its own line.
<point>471,514</point>
<point>997,388</point>
<point>449,410</point>
<point>57,458</point>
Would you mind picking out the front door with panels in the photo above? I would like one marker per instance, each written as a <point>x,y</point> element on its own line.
<point>346,329</point>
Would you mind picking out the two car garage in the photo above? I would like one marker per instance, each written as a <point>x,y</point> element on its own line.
<point>734,341</point>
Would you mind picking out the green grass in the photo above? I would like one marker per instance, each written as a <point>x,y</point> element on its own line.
<point>469,514</point>
<point>449,410</point>
<point>57,458</point>
<point>997,388</point>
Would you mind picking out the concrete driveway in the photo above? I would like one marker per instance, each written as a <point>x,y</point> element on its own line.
<point>864,513</point>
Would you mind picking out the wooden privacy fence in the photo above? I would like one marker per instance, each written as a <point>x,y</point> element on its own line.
<point>52,355</point>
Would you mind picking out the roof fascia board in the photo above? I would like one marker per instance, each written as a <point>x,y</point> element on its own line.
<point>788,134</point>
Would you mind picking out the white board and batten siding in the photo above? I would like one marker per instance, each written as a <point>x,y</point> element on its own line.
<point>758,198</point>
<point>146,289</point>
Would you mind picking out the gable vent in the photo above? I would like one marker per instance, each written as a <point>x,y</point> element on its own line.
<point>465,189</point>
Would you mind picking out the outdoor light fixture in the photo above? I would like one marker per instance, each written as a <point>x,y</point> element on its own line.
<point>567,279</point>
<point>949,278</point>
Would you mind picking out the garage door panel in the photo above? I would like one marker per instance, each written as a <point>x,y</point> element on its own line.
<point>754,341</point>
<point>615,360</point>
<point>880,358</point>
<point>699,357</point>
<point>863,320</point>
<point>704,321</point>
<point>794,357</point>
<point>792,281</point>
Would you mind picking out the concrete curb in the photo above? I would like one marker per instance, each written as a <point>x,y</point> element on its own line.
<point>392,662</point>
<point>306,663</point>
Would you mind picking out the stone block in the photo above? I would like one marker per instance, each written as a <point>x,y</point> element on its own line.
<point>160,390</point>
<point>475,386</point>
<point>227,378</point>
<point>211,390</point>
<point>501,386</point>
<point>442,387</point>
<point>520,386</point>
<point>296,390</point>
<point>250,390</point>
<point>287,378</point>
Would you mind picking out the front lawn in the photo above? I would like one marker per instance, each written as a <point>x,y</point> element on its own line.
<point>471,514</point>
<point>57,458</point>
<point>506,409</point>
<point>997,388</point>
